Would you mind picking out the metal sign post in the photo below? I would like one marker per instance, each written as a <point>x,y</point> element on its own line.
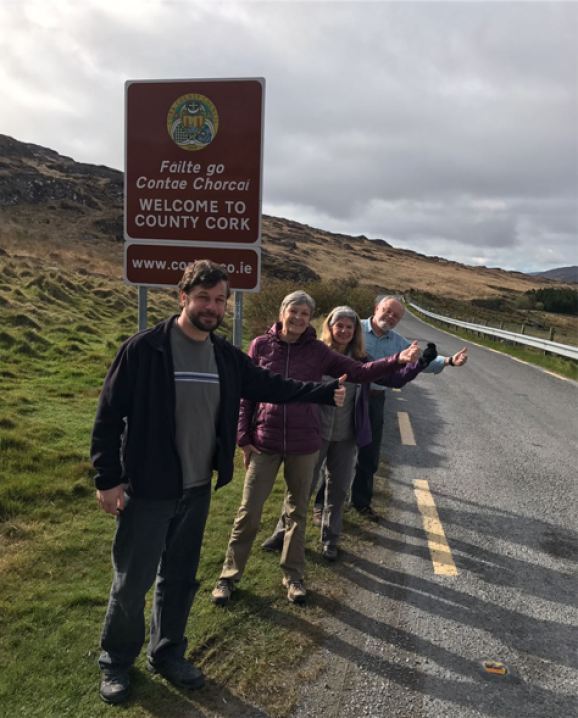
<point>142,308</point>
<point>238,319</point>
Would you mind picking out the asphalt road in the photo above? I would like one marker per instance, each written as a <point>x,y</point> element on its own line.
<point>496,442</point>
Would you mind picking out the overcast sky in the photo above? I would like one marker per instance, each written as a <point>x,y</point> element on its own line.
<point>449,128</point>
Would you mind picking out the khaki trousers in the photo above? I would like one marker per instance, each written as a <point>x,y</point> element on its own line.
<point>259,480</point>
<point>336,461</point>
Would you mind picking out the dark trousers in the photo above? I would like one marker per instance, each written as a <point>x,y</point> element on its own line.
<point>162,540</point>
<point>368,456</point>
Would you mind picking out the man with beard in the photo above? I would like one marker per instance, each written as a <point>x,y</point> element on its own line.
<point>167,417</point>
<point>382,341</point>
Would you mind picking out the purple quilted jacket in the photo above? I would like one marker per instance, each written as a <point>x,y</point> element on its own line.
<point>296,428</point>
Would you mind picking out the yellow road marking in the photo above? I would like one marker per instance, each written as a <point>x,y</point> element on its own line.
<point>407,437</point>
<point>400,398</point>
<point>496,351</point>
<point>558,376</point>
<point>527,363</point>
<point>441,555</point>
<point>396,389</point>
<point>522,361</point>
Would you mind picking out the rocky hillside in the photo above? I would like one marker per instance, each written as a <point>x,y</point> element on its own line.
<point>70,213</point>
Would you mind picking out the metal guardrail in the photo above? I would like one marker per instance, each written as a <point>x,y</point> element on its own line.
<point>544,344</point>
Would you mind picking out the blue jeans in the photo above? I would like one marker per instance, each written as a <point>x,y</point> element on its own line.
<point>162,540</point>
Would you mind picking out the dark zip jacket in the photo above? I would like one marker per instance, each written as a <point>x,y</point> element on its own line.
<point>134,436</point>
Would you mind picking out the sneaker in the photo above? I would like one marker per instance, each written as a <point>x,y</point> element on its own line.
<point>114,686</point>
<point>179,672</point>
<point>317,516</point>
<point>368,513</point>
<point>222,591</point>
<point>274,542</point>
<point>329,553</point>
<point>296,592</point>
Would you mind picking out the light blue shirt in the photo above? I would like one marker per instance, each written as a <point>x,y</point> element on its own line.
<point>389,344</point>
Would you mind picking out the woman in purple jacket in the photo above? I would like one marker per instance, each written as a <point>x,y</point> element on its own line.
<point>272,434</point>
<point>343,432</point>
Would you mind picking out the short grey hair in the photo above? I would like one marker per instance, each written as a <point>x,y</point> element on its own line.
<point>381,300</point>
<point>298,297</point>
<point>341,312</point>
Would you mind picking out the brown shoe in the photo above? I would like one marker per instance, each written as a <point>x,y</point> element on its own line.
<point>317,516</point>
<point>296,592</point>
<point>222,591</point>
<point>368,513</point>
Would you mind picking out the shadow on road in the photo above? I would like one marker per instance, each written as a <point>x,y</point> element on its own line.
<point>473,693</point>
<point>559,586</point>
<point>550,538</point>
<point>545,639</point>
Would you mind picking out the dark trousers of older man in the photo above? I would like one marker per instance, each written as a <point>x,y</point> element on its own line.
<point>368,456</point>
<point>162,540</point>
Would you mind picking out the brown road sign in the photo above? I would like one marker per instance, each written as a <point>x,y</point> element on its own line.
<point>163,264</point>
<point>193,160</point>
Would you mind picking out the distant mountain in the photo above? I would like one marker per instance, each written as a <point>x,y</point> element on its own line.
<point>561,274</point>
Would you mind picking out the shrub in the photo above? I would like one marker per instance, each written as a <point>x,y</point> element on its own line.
<point>262,309</point>
<point>523,301</point>
<point>327,296</point>
<point>495,304</point>
<point>362,299</point>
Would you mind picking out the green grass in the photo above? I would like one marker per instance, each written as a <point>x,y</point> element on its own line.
<point>60,332</point>
<point>558,365</point>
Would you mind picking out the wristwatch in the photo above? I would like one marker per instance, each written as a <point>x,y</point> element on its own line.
<point>451,361</point>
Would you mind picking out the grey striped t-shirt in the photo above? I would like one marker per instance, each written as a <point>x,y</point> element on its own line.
<point>198,394</point>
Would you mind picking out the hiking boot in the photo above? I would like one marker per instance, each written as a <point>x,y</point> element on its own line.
<point>317,516</point>
<point>329,553</point>
<point>222,591</point>
<point>296,592</point>
<point>114,686</point>
<point>274,542</point>
<point>368,513</point>
<point>179,672</point>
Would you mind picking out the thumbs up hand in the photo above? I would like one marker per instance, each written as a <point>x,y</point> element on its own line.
<point>461,357</point>
<point>339,394</point>
<point>410,355</point>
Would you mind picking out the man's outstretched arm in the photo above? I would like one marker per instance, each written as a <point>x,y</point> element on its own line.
<point>259,385</point>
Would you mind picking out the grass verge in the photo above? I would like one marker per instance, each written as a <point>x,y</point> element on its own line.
<point>60,332</point>
<point>558,365</point>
